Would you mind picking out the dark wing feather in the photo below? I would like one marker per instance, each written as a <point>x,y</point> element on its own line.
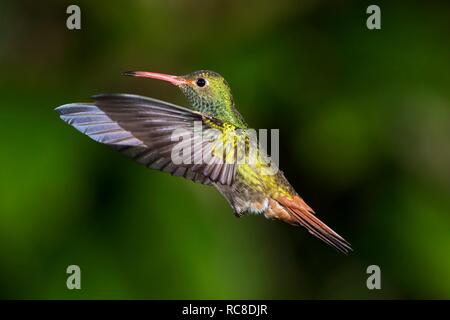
<point>141,128</point>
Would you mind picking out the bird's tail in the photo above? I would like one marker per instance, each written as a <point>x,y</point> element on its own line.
<point>295,211</point>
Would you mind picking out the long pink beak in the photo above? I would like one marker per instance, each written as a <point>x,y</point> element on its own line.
<point>159,76</point>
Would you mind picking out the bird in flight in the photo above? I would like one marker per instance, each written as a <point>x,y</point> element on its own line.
<point>142,128</point>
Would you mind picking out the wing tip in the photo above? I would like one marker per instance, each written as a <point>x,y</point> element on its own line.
<point>69,108</point>
<point>61,109</point>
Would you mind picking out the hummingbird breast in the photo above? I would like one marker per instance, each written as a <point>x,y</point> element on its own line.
<point>252,190</point>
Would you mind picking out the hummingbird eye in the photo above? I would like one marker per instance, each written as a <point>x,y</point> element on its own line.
<point>201,82</point>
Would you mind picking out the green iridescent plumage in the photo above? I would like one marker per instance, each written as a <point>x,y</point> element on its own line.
<point>214,98</point>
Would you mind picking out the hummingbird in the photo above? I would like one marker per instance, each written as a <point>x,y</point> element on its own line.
<point>141,128</point>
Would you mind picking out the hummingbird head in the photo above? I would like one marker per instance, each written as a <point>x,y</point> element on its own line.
<point>207,91</point>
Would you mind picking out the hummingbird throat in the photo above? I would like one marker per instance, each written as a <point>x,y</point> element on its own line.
<point>219,106</point>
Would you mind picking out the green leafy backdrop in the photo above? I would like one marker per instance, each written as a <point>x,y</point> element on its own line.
<point>364,119</point>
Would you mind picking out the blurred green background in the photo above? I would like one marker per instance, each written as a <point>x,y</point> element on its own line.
<point>364,120</point>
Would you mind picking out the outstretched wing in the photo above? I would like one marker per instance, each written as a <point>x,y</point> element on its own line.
<point>142,128</point>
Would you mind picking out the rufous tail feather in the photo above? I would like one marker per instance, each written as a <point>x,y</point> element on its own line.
<point>295,211</point>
